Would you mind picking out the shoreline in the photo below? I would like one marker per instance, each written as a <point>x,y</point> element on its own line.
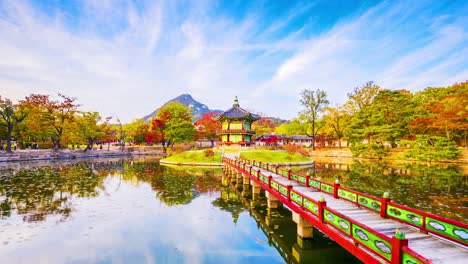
<point>42,155</point>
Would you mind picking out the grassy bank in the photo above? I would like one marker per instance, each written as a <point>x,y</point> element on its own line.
<point>194,157</point>
<point>274,156</point>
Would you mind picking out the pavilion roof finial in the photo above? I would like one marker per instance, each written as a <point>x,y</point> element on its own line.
<point>236,102</point>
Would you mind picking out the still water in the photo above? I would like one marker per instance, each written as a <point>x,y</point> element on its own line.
<point>123,211</point>
<point>134,211</point>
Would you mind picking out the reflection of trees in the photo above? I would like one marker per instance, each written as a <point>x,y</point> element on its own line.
<point>230,201</point>
<point>46,190</point>
<point>173,186</point>
<point>39,192</point>
<point>440,190</point>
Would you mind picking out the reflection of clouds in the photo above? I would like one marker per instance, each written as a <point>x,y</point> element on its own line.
<point>129,224</point>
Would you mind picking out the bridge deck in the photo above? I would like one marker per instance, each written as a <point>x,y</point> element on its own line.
<point>435,249</point>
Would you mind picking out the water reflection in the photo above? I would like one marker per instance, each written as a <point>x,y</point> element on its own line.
<point>436,189</point>
<point>279,228</point>
<point>123,211</point>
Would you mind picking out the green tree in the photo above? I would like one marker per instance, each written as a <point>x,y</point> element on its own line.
<point>89,128</point>
<point>361,97</point>
<point>297,126</point>
<point>385,119</point>
<point>10,116</point>
<point>313,102</point>
<point>177,120</point>
<point>432,148</point>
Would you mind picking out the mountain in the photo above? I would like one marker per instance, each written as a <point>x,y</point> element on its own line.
<point>198,109</point>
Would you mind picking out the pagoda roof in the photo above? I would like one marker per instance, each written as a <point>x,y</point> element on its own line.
<point>238,113</point>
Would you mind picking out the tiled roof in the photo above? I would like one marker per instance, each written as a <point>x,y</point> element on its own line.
<point>236,112</point>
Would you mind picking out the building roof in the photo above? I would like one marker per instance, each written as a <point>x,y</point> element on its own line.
<point>237,113</point>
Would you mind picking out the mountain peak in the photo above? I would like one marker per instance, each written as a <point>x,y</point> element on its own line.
<point>198,109</point>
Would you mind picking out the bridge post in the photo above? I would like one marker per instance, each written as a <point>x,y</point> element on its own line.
<point>272,201</point>
<point>384,202</point>
<point>307,178</point>
<point>321,205</point>
<point>289,173</point>
<point>398,242</point>
<point>267,166</point>
<point>289,192</point>
<point>246,179</point>
<point>336,186</point>
<point>304,228</point>
<point>276,171</point>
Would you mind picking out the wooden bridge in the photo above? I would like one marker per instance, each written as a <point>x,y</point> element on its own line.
<point>375,230</point>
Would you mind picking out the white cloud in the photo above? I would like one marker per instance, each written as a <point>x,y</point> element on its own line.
<point>126,59</point>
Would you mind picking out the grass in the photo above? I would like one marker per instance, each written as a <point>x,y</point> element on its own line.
<point>273,156</point>
<point>194,157</point>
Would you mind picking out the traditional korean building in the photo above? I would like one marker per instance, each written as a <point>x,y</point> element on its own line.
<point>237,125</point>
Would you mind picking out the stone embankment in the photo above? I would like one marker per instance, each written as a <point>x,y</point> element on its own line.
<point>31,155</point>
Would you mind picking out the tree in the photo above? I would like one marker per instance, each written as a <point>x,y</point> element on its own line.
<point>208,125</point>
<point>361,97</point>
<point>385,119</point>
<point>89,129</point>
<point>172,125</point>
<point>297,126</point>
<point>10,116</point>
<point>313,102</point>
<point>52,114</point>
<point>264,126</point>
<point>337,120</point>
<point>442,112</point>
<point>432,148</point>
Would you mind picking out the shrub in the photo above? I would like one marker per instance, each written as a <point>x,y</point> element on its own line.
<point>208,153</point>
<point>432,148</point>
<point>291,148</point>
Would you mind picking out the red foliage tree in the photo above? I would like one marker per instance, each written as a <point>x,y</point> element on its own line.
<point>207,126</point>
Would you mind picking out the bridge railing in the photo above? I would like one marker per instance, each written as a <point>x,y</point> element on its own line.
<point>390,249</point>
<point>449,229</point>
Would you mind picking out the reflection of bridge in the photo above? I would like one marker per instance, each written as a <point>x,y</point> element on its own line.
<point>279,229</point>
<point>373,229</point>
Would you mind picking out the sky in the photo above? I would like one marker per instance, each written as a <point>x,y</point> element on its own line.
<point>126,58</point>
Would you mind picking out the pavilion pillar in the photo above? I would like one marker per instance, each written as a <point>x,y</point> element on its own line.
<point>304,228</point>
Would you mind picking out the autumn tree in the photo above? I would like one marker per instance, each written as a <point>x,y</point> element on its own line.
<point>89,128</point>
<point>10,116</point>
<point>264,126</point>
<point>361,97</point>
<point>52,115</point>
<point>442,111</point>
<point>336,120</point>
<point>173,125</point>
<point>313,102</point>
<point>208,125</point>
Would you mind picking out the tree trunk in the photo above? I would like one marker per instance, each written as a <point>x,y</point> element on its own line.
<point>339,142</point>
<point>212,143</point>
<point>8,138</point>
<point>108,146</point>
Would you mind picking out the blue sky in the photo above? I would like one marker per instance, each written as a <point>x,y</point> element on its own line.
<point>125,58</point>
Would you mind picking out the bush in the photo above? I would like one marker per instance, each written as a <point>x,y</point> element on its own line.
<point>208,153</point>
<point>369,150</point>
<point>432,148</point>
<point>291,148</point>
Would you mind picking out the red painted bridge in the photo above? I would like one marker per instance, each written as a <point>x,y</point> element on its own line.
<point>375,230</point>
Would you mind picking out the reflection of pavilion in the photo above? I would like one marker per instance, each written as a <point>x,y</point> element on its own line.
<point>278,227</point>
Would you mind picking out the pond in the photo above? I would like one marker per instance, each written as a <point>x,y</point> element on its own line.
<point>132,211</point>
